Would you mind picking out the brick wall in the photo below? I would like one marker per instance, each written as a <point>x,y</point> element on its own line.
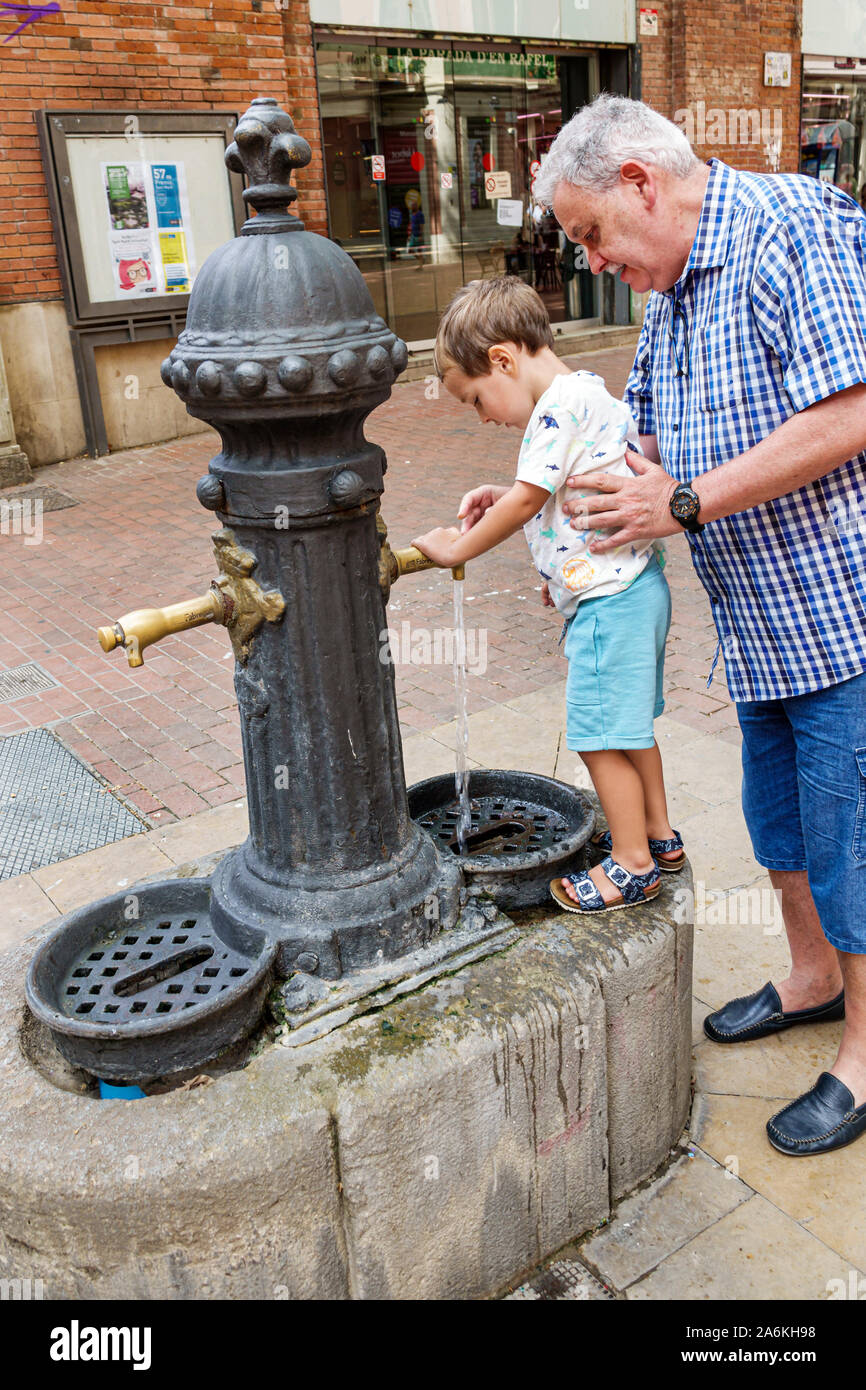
<point>708,62</point>
<point>121,55</point>
<point>303,103</point>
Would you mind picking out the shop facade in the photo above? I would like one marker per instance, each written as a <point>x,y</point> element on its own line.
<point>411,107</point>
<point>429,151</point>
<point>833,124</point>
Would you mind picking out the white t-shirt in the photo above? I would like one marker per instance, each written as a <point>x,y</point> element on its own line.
<point>577,427</point>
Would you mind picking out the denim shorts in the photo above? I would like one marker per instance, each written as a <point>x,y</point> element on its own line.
<point>804,798</point>
<point>616,652</point>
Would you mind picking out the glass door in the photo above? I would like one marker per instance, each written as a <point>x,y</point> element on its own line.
<point>489,103</point>
<point>347,86</point>
<point>552,253</point>
<point>419,190</point>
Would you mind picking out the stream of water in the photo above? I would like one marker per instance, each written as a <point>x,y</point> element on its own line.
<point>461,776</point>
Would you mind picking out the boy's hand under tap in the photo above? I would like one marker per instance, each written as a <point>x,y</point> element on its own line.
<point>438,545</point>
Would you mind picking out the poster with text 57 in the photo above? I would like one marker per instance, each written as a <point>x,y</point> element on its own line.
<point>173,227</point>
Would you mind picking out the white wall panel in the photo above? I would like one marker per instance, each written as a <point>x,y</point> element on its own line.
<point>594,21</point>
<point>835,27</point>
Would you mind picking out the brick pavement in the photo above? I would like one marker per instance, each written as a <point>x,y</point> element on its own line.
<point>166,735</point>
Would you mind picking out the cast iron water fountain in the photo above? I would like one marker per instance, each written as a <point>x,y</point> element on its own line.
<point>284,354</point>
<point>457,1096</point>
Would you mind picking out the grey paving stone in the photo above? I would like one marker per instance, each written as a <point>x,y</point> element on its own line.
<point>755,1252</point>
<point>650,1225</point>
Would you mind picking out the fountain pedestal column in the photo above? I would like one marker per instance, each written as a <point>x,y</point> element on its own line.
<point>285,355</point>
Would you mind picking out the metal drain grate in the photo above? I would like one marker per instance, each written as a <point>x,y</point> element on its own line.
<point>562,1281</point>
<point>150,969</point>
<point>18,681</point>
<point>51,499</point>
<point>52,806</point>
<point>500,825</point>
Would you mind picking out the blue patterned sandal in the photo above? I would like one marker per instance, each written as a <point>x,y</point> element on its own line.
<point>657,848</point>
<point>634,888</point>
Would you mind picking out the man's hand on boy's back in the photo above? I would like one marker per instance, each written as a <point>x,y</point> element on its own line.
<point>476,503</point>
<point>632,509</point>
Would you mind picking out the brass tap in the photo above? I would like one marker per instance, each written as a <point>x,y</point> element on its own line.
<point>408,560</point>
<point>137,630</point>
<point>234,600</point>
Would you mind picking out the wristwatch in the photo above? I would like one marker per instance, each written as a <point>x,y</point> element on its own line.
<point>685,505</point>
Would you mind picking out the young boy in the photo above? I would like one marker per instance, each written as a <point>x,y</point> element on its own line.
<point>494,351</point>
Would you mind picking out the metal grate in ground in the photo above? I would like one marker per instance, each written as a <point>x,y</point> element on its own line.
<point>564,1280</point>
<point>51,499</point>
<point>51,806</point>
<point>17,681</point>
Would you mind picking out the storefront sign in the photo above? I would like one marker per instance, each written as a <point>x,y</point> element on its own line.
<point>465,62</point>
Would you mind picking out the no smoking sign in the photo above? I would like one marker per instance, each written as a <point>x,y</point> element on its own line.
<point>498,185</point>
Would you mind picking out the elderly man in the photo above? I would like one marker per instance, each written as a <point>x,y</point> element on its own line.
<point>748,390</point>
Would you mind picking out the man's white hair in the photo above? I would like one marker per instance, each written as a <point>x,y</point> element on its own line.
<point>597,141</point>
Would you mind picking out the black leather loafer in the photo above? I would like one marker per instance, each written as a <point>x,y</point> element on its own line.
<point>822,1119</point>
<point>758,1015</point>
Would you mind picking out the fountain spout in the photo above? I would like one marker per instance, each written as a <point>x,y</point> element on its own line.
<point>234,600</point>
<point>408,560</point>
<point>139,629</point>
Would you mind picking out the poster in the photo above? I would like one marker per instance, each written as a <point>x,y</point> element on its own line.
<point>479,158</point>
<point>149,236</point>
<point>400,144</point>
<point>509,212</point>
<point>777,69</point>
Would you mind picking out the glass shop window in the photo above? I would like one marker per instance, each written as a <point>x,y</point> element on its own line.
<point>429,159</point>
<point>832,145</point>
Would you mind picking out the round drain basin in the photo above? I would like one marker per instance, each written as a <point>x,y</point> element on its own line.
<point>139,985</point>
<point>525,830</point>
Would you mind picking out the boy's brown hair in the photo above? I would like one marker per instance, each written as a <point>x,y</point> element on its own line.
<point>485,312</point>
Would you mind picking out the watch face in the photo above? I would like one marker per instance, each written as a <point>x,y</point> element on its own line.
<point>685,504</point>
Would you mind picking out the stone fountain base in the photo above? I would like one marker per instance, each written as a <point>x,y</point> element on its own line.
<point>438,1147</point>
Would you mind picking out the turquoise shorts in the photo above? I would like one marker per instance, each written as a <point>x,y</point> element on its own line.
<point>615,646</point>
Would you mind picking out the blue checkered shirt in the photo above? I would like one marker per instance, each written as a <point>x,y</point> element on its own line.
<point>769,317</point>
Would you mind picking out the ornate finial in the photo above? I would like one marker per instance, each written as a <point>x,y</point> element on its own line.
<point>267,148</point>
